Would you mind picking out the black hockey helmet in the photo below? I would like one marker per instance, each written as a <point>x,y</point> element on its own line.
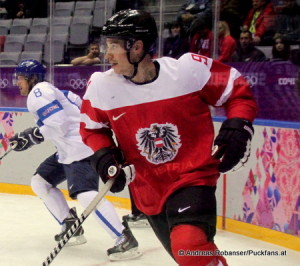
<point>132,25</point>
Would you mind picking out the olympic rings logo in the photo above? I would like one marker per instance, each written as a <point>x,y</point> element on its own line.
<point>78,84</point>
<point>3,83</point>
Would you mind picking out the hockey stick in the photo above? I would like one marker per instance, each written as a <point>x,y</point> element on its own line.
<point>89,209</point>
<point>11,147</point>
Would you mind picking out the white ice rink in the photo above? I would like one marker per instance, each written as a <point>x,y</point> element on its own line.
<point>27,230</point>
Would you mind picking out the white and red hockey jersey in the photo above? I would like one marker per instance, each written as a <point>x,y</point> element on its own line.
<point>57,115</point>
<point>164,127</point>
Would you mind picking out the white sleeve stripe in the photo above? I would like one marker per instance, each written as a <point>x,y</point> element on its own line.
<point>234,74</point>
<point>90,124</point>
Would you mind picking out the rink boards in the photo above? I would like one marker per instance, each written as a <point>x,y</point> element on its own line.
<point>261,201</point>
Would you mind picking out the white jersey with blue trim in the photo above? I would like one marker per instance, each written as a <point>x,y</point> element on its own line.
<point>57,114</point>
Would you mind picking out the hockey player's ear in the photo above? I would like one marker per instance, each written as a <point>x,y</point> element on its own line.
<point>138,45</point>
<point>32,81</point>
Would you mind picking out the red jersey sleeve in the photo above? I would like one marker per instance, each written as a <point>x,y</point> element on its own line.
<point>94,126</point>
<point>227,88</point>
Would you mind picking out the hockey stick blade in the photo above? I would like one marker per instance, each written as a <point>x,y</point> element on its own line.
<point>11,147</point>
<point>89,209</point>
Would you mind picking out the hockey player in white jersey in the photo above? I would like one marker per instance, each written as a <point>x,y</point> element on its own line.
<point>159,113</point>
<point>57,116</point>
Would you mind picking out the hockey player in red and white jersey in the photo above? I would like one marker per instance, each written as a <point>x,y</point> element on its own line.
<point>159,113</point>
<point>57,116</point>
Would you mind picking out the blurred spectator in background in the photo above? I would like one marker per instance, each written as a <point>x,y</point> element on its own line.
<point>177,44</point>
<point>260,21</point>
<point>227,44</point>
<point>201,38</point>
<point>20,11</point>
<point>281,50</point>
<point>3,10</point>
<point>195,9</point>
<point>27,8</point>
<point>288,21</point>
<point>92,58</point>
<point>246,51</point>
<point>234,13</point>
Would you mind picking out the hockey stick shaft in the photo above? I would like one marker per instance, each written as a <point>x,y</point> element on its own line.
<point>89,209</point>
<point>11,147</point>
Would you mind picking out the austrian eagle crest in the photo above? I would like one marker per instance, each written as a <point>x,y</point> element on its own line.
<point>159,143</point>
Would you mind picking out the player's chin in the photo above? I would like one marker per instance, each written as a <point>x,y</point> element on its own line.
<point>113,65</point>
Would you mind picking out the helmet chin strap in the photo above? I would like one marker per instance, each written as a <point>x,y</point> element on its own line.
<point>135,64</point>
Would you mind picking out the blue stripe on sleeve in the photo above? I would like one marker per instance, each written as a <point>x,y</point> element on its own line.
<point>49,109</point>
<point>39,123</point>
<point>66,93</point>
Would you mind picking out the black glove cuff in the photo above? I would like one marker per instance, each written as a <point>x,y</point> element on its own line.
<point>39,138</point>
<point>103,160</point>
<point>240,124</point>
